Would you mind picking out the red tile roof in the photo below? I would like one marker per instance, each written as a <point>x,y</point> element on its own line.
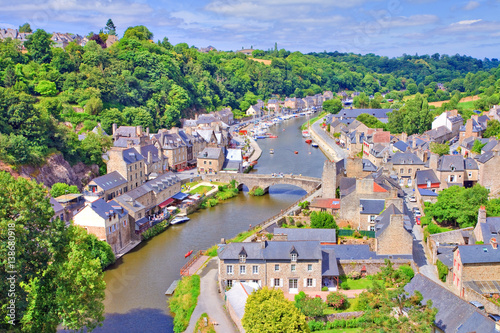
<point>329,203</point>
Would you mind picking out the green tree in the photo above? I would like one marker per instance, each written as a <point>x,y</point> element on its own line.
<point>110,28</point>
<point>477,146</point>
<point>138,32</point>
<point>493,129</point>
<point>38,46</point>
<point>93,106</point>
<point>267,311</point>
<point>323,220</point>
<point>110,117</point>
<point>46,88</point>
<point>138,117</point>
<point>93,146</point>
<point>310,306</point>
<point>361,101</point>
<point>57,280</point>
<point>9,77</point>
<point>59,189</point>
<point>440,148</point>
<point>25,28</point>
<point>370,121</point>
<point>332,106</point>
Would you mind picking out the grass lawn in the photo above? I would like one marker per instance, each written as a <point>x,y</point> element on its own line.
<point>467,105</point>
<point>352,305</point>
<point>360,283</point>
<point>201,189</point>
<point>243,235</point>
<point>190,184</point>
<point>313,120</point>
<point>219,183</point>
<point>341,330</point>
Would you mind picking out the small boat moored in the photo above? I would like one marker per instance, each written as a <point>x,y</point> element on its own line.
<point>296,152</point>
<point>179,219</point>
<point>188,254</point>
<point>271,151</point>
<point>315,145</point>
<point>309,141</point>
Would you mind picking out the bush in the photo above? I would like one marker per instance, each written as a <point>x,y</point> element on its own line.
<point>344,285</point>
<point>354,275</point>
<point>257,192</point>
<point>324,288</point>
<point>357,234</point>
<point>337,300</point>
<point>315,325</point>
<point>311,307</point>
<point>212,252</point>
<point>407,271</point>
<point>442,270</point>
<point>299,224</point>
<point>184,301</point>
<point>269,236</point>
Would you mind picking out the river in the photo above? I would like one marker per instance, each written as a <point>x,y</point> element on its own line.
<point>136,283</point>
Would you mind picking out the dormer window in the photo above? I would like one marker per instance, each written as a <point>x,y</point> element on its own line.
<point>294,256</point>
<point>243,258</point>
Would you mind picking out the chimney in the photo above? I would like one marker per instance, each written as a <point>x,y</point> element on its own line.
<point>494,244</point>
<point>130,143</point>
<point>115,127</point>
<point>174,130</point>
<point>150,157</point>
<point>196,117</point>
<point>138,130</point>
<point>189,130</point>
<point>433,161</point>
<point>263,245</point>
<point>147,131</point>
<point>481,215</point>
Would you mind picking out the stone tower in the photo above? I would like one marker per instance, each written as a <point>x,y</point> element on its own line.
<point>329,179</point>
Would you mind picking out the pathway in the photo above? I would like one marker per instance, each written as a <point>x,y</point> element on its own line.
<point>326,143</point>
<point>210,302</point>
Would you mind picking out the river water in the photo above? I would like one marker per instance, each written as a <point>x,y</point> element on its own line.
<point>136,283</point>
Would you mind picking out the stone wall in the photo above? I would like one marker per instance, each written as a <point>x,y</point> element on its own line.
<point>394,239</point>
<point>372,265</point>
<point>234,317</point>
<point>449,237</point>
<point>481,272</point>
<point>472,295</point>
<point>488,175</point>
<point>329,179</point>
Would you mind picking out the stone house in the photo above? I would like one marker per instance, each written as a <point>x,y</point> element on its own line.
<point>274,105</point>
<point>173,147</point>
<point>454,313</point>
<point>225,115</point>
<point>359,167</point>
<point>129,163</point>
<point>405,165</point>
<point>309,101</point>
<point>392,232</point>
<point>450,121</point>
<point>155,162</point>
<point>427,179</point>
<point>351,114</point>
<point>286,265</point>
<point>455,170</point>
<point>129,136</point>
<point>233,161</point>
<point>210,161</point>
<point>327,95</point>
<point>489,169</point>
<point>486,227</point>
<point>107,187</point>
<point>474,127</point>
<point>253,110</point>
<point>329,205</point>
<point>475,263</point>
<point>109,222</point>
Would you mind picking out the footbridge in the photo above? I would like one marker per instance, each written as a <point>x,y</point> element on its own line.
<point>265,181</point>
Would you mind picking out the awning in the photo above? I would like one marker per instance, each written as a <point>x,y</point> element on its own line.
<point>166,202</point>
<point>180,196</point>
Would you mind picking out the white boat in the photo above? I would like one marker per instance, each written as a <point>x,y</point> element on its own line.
<point>179,219</point>
<point>306,134</point>
<point>315,145</point>
<point>271,151</point>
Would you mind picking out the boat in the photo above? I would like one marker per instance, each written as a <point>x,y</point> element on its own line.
<point>272,136</point>
<point>271,151</point>
<point>315,145</point>
<point>180,219</point>
<point>306,134</point>
<point>296,152</point>
<point>253,163</point>
<point>188,254</point>
<point>309,141</point>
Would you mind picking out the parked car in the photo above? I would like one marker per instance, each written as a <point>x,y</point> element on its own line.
<point>494,317</point>
<point>413,199</point>
<point>477,305</point>
<point>417,219</point>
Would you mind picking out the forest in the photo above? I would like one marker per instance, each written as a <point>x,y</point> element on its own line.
<point>50,95</point>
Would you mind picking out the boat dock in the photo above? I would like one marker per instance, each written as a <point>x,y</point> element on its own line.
<point>172,287</point>
<point>194,264</point>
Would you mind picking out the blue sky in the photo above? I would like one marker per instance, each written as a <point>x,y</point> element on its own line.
<point>384,27</point>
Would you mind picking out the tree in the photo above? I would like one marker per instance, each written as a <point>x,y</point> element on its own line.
<point>110,27</point>
<point>46,88</point>
<point>110,117</point>
<point>38,46</point>
<point>139,32</point>
<point>9,77</point>
<point>267,311</point>
<point>332,106</point>
<point>93,106</point>
<point>440,148</point>
<point>337,300</point>
<point>59,189</point>
<point>57,280</point>
<point>361,101</point>
<point>477,146</point>
<point>310,306</point>
<point>370,121</point>
<point>323,220</point>
<point>25,28</point>
<point>93,146</point>
<point>493,129</point>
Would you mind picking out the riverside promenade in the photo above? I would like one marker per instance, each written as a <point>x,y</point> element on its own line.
<point>326,143</point>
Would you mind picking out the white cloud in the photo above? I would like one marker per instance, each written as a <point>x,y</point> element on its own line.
<point>471,5</point>
<point>466,22</point>
<point>413,21</point>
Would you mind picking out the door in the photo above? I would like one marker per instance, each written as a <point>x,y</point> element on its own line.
<point>293,286</point>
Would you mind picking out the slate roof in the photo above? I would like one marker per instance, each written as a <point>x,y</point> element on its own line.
<point>126,131</point>
<point>470,164</point>
<point>371,206</point>
<point>490,145</point>
<point>446,162</point>
<point>454,314</point>
<point>428,193</point>
<point>103,209</point>
<point>485,157</point>
<point>491,229</point>
<point>205,119</point>
<point>110,180</point>
<point>328,203</point>
<point>384,219</point>
<point>123,142</point>
<point>210,153</point>
<point>380,114</point>
<point>56,206</point>
<point>307,250</point>
<point>347,185</point>
<point>445,255</point>
<point>329,265</point>
<point>154,153</point>
<point>320,235</point>
<point>359,252</point>
<point>402,146</point>
<point>422,176</point>
<point>131,155</point>
<point>478,254</point>
<point>406,158</point>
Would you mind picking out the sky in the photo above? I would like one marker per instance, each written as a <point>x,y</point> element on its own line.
<point>383,27</point>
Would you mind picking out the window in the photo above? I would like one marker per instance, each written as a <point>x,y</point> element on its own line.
<point>309,282</point>
<point>293,267</point>
<point>124,223</point>
<point>276,268</point>
<point>110,230</point>
<point>140,164</point>
<point>141,173</point>
<point>210,162</point>
<point>451,179</point>
<point>276,282</point>
<point>309,267</point>
<point>372,228</point>
<point>130,168</point>
<point>294,256</point>
<point>130,177</point>
<point>293,283</point>
<point>401,170</point>
<point>243,269</point>
<point>372,218</point>
<point>409,170</point>
<point>229,269</point>
<point>229,283</point>
<point>470,174</point>
<point>409,182</point>
<point>255,269</point>
<point>243,258</point>
<point>136,166</point>
<point>428,183</point>
<point>204,162</point>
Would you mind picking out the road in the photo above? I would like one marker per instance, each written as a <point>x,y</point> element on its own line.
<point>210,302</point>
<point>336,150</point>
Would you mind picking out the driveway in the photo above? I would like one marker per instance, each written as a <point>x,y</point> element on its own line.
<point>210,302</point>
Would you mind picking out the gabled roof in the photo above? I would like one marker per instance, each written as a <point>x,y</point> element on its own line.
<point>154,153</point>
<point>329,265</point>
<point>354,113</point>
<point>359,252</point>
<point>210,153</point>
<point>384,219</point>
<point>110,180</point>
<point>406,158</point>
<point>423,176</point>
<point>402,146</point>
<point>485,157</point>
<point>371,206</point>
<point>478,254</point>
<point>454,313</point>
<point>103,209</point>
<point>427,193</point>
<point>56,206</point>
<point>470,164</point>
<point>131,155</point>
<point>328,203</point>
<point>347,186</point>
<point>234,155</point>
<point>447,162</point>
<point>307,250</point>
<point>490,145</point>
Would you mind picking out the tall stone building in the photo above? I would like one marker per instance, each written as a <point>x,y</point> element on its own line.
<point>329,179</point>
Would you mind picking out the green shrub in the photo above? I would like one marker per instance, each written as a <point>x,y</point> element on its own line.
<point>212,251</point>
<point>442,270</point>
<point>357,234</point>
<point>269,236</point>
<point>407,271</point>
<point>425,220</point>
<point>315,325</point>
<point>324,288</point>
<point>344,285</point>
<point>337,300</point>
<point>354,275</point>
<point>184,301</point>
<point>153,231</point>
<point>257,192</point>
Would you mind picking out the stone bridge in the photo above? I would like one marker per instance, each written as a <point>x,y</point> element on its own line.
<point>265,181</point>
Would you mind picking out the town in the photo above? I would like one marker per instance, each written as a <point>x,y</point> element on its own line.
<point>165,187</point>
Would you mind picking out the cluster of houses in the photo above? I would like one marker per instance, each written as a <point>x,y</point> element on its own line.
<point>290,103</point>
<point>59,39</point>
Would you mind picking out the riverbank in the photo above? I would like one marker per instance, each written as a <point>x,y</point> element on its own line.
<point>326,144</point>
